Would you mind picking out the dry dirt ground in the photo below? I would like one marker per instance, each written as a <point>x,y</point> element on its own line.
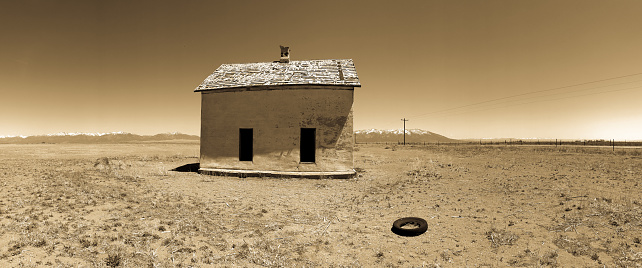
<point>119,205</point>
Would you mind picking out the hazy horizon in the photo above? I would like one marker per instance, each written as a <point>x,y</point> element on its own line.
<point>462,69</point>
<point>399,130</point>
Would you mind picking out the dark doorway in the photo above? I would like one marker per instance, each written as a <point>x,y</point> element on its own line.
<point>308,144</point>
<point>246,142</point>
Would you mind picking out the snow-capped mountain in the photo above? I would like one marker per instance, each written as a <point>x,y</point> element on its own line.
<point>94,134</point>
<point>396,135</point>
<point>10,136</point>
<point>97,137</point>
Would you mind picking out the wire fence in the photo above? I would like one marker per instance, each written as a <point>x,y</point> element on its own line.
<point>558,142</point>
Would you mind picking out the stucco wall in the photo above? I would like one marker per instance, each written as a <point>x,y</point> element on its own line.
<point>277,117</point>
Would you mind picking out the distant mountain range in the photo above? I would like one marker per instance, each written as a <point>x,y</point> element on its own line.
<point>113,137</point>
<point>396,135</point>
<point>361,136</point>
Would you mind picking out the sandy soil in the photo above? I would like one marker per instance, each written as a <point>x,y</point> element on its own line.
<point>496,206</point>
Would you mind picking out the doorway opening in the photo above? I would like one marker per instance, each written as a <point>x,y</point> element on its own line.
<point>246,142</point>
<point>308,145</point>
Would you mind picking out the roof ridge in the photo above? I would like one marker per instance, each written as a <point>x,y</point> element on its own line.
<point>287,62</point>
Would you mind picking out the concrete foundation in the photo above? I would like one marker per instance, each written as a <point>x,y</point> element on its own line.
<point>278,174</point>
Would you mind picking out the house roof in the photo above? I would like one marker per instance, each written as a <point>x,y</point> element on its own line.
<point>307,72</point>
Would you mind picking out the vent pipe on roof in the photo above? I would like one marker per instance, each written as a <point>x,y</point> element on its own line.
<point>285,54</point>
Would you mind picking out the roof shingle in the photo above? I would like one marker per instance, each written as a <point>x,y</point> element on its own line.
<point>309,72</point>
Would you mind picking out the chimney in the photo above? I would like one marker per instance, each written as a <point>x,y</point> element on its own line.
<point>285,54</point>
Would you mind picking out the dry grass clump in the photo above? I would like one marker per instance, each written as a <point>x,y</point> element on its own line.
<point>500,238</point>
<point>424,172</point>
<point>548,259</point>
<point>624,213</point>
<point>580,246</point>
<point>529,258</point>
<point>113,260</point>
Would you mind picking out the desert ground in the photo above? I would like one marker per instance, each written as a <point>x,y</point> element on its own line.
<point>120,205</point>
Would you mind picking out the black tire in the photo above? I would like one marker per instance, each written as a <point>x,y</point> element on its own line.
<point>420,226</point>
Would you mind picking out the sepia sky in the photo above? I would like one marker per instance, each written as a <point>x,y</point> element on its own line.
<point>463,69</point>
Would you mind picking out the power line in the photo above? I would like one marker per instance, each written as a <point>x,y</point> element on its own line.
<point>529,93</point>
<point>544,96</point>
<point>493,108</point>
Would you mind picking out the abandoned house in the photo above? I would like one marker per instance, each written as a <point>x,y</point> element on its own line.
<point>281,118</point>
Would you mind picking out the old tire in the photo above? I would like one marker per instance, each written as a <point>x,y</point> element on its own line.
<point>410,226</point>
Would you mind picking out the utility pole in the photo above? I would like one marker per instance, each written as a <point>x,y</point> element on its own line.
<point>404,130</point>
